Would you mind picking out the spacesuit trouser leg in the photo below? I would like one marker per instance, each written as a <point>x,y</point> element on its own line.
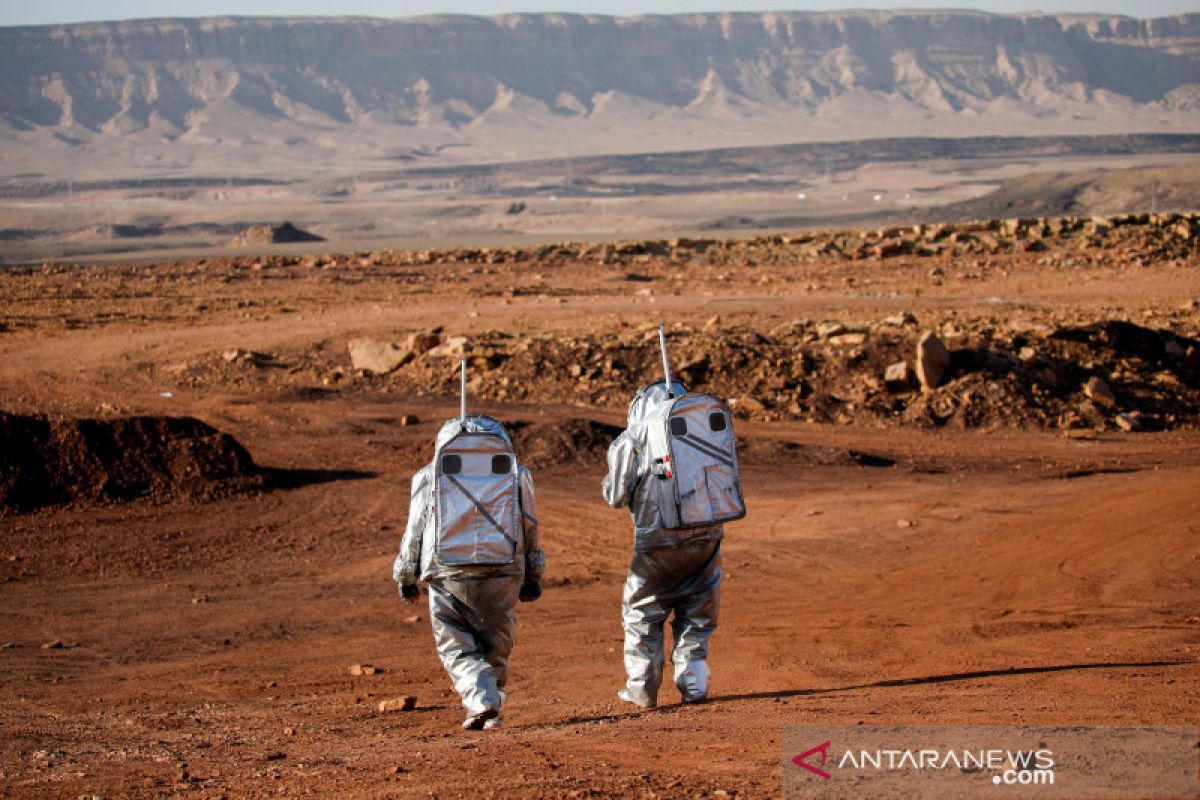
<point>695,620</point>
<point>684,580</point>
<point>473,628</point>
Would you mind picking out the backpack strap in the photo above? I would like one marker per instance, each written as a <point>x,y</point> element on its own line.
<point>479,507</point>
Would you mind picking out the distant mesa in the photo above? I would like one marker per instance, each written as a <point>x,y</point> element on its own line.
<point>285,233</point>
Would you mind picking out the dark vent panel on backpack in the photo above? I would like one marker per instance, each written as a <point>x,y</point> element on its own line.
<point>451,464</point>
<point>716,421</point>
<point>678,426</point>
<point>501,465</point>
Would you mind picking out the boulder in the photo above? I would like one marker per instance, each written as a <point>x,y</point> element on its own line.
<point>933,361</point>
<point>373,355</point>
<point>1098,391</point>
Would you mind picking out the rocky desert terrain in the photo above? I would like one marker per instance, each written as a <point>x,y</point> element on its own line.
<point>969,449</point>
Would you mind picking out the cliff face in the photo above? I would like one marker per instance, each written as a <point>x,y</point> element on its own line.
<point>228,79</point>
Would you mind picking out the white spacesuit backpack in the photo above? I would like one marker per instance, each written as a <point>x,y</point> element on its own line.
<point>477,496</point>
<point>692,448</point>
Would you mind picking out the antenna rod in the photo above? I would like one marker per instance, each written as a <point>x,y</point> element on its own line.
<point>662,345</point>
<point>463,389</point>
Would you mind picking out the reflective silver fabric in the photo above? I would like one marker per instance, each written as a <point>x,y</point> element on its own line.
<point>684,581</point>
<point>631,481</point>
<point>473,629</point>
<point>704,463</point>
<point>476,505</point>
<point>418,557</point>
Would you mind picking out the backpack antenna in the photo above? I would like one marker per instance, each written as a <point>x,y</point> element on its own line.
<point>462,385</point>
<point>662,345</point>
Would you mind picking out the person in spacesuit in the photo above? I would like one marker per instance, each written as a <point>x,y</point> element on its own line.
<point>471,604</point>
<point>672,571</point>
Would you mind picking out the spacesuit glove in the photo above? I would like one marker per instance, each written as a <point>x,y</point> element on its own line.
<point>530,591</point>
<point>410,593</point>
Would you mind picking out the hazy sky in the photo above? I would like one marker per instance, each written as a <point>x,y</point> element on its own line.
<point>24,12</point>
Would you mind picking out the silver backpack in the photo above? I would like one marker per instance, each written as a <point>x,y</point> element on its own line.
<point>693,450</point>
<point>477,505</point>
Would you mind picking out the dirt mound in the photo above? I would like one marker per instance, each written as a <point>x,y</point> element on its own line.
<point>1000,375</point>
<point>575,441</point>
<point>47,462</point>
<point>286,233</point>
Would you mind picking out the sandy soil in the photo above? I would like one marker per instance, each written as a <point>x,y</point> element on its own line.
<point>203,648</point>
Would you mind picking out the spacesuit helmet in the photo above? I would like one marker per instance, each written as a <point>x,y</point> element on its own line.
<point>651,395</point>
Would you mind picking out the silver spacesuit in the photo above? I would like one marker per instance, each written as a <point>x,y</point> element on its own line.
<point>470,607</point>
<point>672,570</point>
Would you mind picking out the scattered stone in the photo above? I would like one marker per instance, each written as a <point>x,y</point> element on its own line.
<point>411,620</point>
<point>1131,421</point>
<point>55,644</point>
<point>713,323</point>
<point>453,347</point>
<point>407,420</point>
<point>1098,391</point>
<point>827,329</point>
<point>749,404</point>
<point>358,670</point>
<point>406,703</point>
<point>899,320</point>
<point>1027,355</point>
<point>906,523</point>
<point>896,376</point>
<point>515,208</point>
<point>1192,359</point>
<point>421,343</point>
<point>1173,349</point>
<point>289,731</point>
<point>848,339</point>
<point>372,355</point>
<point>933,361</point>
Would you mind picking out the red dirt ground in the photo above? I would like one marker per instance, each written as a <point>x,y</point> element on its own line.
<point>203,647</point>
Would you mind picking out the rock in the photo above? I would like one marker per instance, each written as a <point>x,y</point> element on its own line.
<point>406,703</point>
<point>1098,391</point>
<point>828,329</point>
<point>56,644</point>
<point>933,361</point>
<point>895,377</point>
<point>453,347</point>
<point>1174,349</point>
<point>515,208</point>
<point>1130,422</point>
<point>412,619</point>
<point>1192,359</point>
<point>372,355</point>
<point>749,404</point>
<point>419,343</point>
<point>906,523</point>
<point>899,320</point>
<point>234,354</point>
<point>407,420</point>
<point>713,323</point>
<point>364,669</point>
<point>848,339</point>
<point>1027,355</point>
